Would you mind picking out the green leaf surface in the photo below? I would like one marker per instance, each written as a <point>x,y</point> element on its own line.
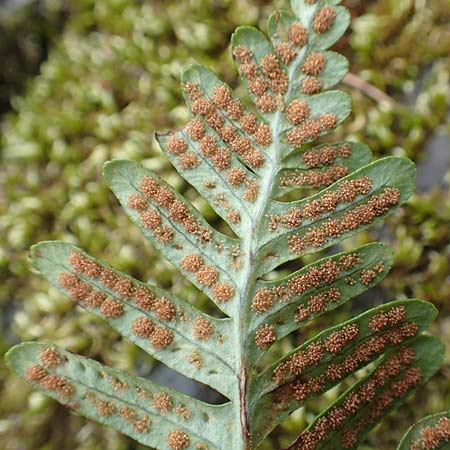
<point>361,415</point>
<point>342,276</point>
<point>139,408</point>
<point>275,248</point>
<point>434,428</point>
<point>308,169</point>
<point>53,259</point>
<point>274,387</point>
<point>280,21</point>
<point>124,178</point>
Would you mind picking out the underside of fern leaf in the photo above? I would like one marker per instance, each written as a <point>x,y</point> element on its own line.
<point>430,433</point>
<point>244,159</point>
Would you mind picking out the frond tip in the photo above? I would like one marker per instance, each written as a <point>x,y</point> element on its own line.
<point>430,433</point>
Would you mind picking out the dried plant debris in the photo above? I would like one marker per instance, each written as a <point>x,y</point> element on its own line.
<point>243,157</point>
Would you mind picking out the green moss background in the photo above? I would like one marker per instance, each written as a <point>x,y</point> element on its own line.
<point>108,80</point>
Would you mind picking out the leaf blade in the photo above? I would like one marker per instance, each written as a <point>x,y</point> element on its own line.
<point>169,329</point>
<point>117,399</point>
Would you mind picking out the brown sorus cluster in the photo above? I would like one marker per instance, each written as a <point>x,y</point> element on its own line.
<point>234,216</point>
<point>265,336</point>
<point>285,52</point>
<point>162,402</point>
<point>260,79</point>
<point>292,219</point>
<point>337,340</point>
<point>196,359</point>
<point>141,425</point>
<point>366,350</point>
<point>360,354</point>
<point>178,146</point>
<point>175,209</point>
<point>195,129</point>
<point>188,160</point>
<point>104,408</point>
<point>123,287</point>
<point>49,381</point>
<point>311,85</point>
<point>367,276</point>
<point>50,357</point>
<point>295,364</point>
<point>262,301</point>
<point>349,260</point>
<point>84,265</point>
<point>345,193</point>
<point>144,298</point>
<point>310,129</point>
<point>111,308</point>
<point>220,156</point>
<point>161,338</point>
<point>203,329</point>
<point>207,276</point>
<point>145,328</point>
<point>388,318</point>
<point>150,219</point>
<point>109,278</point>
<point>263,135</point>
<point>314,178</point>
<point>178,440</point>
<point>77,288</point>
<point>223,292</point>
<point>297,111</point>
<point>324,274</point>
<point>127,413</point>
<point>236,177</point>
<point>298,35</point>
<point>314,277</point>
<point>314,64</point>
<point>95,299</point>
<point>137,202</point>
<point>324,19</point>
<point>192,262</point>
<point>317,304</point>
<point>365,394</point>
<point>434,436</point>
<point>182,411</point>
<point>325,155</point>
<point>278,79</point>
<point>164,309</point>
<point>361,215</point>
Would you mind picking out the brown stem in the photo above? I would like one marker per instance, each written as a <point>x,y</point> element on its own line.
<point>370,90</point>
<point>243,404</point>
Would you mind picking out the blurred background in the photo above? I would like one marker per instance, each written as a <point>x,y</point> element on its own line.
<point>85,81</point>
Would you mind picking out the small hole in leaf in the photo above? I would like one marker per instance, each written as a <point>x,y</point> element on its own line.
<point>213,372</point>
<point>205,417</point>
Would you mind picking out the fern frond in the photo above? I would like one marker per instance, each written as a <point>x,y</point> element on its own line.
<point>243,159</point>
<point>430,433</point>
